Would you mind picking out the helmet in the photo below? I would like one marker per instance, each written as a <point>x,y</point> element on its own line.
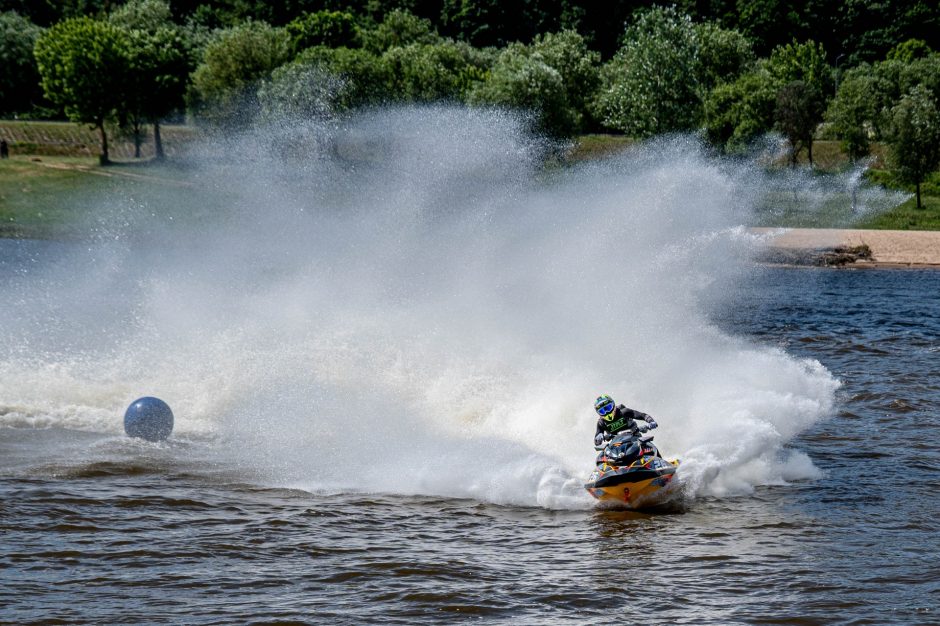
<point>604,405</point>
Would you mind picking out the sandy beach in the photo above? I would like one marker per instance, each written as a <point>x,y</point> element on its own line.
<point>889,248</point>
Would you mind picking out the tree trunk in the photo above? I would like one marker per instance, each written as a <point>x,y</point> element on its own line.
<point>918,196</point>
<point>157,142</point>
<point>103,158</point>
<point>809,151</point>
<point>137,139</point>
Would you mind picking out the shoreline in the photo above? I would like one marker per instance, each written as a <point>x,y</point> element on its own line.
<point>852,248</point>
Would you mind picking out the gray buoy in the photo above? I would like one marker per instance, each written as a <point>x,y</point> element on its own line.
<point>148,418</point>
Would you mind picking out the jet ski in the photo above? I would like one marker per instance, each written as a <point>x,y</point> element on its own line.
<point>630,471</point>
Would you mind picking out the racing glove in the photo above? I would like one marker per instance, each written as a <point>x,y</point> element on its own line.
<point>598,439</point>
<point>652,424</point>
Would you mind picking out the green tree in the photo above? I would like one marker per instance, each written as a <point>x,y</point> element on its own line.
<point>19,86</point>
<point>84,65</point>
<point>769,22</point>
<point>797,114</point>
<point>651,85</point>
<point>893,79</point>
<point>738,112</point>
<point>910,50</point>
<point>145,15</point>
<point>915,137</point>
<point>804,62</point>
<point>399,28</point>
<point>525,81</point>
<point>160,64</point>
<point>224,85</point>
<point>301,90</point>
<point>366,78</point>
<point>568,54</point>
<point>324,28</point>
<point>159,71</point>
<point>428,72</point>
<point>852,112</point>
<point>804,80</point>
<point>723,55</point>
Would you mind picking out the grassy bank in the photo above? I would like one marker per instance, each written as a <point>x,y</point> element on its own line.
<point>52,180</point>
<point>36,197</point>
<point>29,138</point>
<point>63,197</point>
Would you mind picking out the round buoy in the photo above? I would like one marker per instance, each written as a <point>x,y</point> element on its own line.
<point>148,418</point>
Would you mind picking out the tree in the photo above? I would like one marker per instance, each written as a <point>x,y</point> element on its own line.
<point>84,65</point>
<point>805,62</point>
<point>224,85</point>
<point>366,77</point>
<point>651,85</point>
<point>723,55</point>
<point>803,78</point>
<point>797,114</point>
<point>160,64</point>
<point>893,79</point>
<point>159,70</point>
<point>909,51</point>
<point>567,53</point>
<point>323,28</point>
<point>915,137</point>
<point>487,22</point>
<point>300,90</point>
<point>399,28</point>
<point>145,15</point>
<point>19,88</point>
<point>523,80</point>
<point>738,112</point>
<point>428,72</point>
<point>852,112</point>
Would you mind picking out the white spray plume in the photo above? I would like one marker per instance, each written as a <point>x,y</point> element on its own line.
<point>410,304</point>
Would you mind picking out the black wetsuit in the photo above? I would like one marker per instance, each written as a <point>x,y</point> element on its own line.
<point>624,419</point>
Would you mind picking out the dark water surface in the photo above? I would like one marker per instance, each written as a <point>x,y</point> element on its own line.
<point>97,529</point>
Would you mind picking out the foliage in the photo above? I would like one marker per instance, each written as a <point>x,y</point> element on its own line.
<point>235,61</point>
<point>804,62</point>
<point>428,72</point>
<point>798,111</point>
<point>366,77</point>
<point>84,64</point>
<point>146,15</point>
<point>723,54</point>
<point>651,86</point>
<point>399,29</point>
<point>524,80</point>
<point>915,137</point>
<point>300,89</point>
<point>909,51</point>
<point>769,22</point>
<point>19,88</point>
<point>852,112</point>
<point>323,28</point>
<point>486,22</point>
<point>159,66</point>
<point>738,112</point>
<point>567,53</point>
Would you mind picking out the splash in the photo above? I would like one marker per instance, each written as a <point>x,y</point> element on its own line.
<point>408,302</point>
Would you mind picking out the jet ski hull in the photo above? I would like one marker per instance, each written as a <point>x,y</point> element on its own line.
<point>642,483</point>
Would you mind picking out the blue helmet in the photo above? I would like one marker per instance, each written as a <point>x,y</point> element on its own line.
<point>604,405</point>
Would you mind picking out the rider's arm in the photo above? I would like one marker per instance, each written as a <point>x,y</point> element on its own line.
<point>599,435</point>
<point>640,415</point>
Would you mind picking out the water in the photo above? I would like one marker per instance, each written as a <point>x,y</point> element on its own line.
<point>383,386</point>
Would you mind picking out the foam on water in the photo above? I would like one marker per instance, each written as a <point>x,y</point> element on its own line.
<point>411,304</point>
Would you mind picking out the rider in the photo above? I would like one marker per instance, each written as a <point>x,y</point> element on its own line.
<point>616,418</point>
